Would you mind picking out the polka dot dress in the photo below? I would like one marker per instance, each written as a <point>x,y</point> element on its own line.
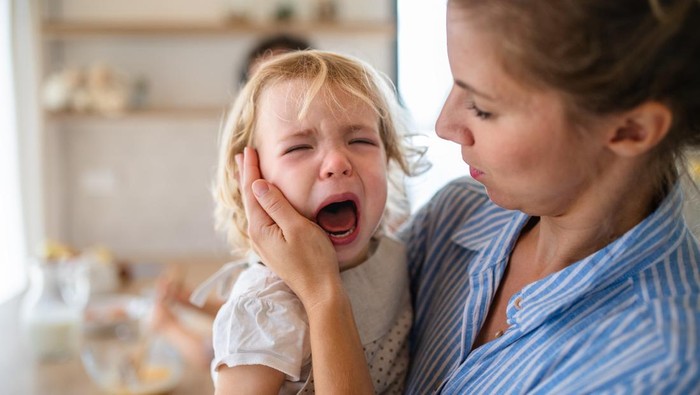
<point>388,358</point>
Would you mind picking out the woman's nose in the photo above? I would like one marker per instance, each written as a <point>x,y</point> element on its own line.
<point>450,125</point>
<point>335,163</point>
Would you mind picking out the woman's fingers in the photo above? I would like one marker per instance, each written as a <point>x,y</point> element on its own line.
<point>269,207</point>
<point>277,207</point>
<point>249,172</point>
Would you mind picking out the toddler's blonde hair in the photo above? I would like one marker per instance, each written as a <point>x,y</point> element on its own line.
<point>332,73</point>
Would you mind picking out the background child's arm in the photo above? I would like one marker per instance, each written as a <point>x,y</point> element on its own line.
<point>249,379</point>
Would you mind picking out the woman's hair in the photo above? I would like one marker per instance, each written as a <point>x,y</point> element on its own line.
<point>332,73</point>
<point>608,56</point>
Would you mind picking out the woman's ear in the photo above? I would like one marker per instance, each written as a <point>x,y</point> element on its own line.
<point>639,130</point>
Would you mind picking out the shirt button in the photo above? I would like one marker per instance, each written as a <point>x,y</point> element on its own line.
<point>517,303</point>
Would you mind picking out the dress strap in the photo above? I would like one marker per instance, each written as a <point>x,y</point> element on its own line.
<point>222,281</point>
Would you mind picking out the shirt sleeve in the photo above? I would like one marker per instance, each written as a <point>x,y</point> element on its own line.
<point>262,323</point>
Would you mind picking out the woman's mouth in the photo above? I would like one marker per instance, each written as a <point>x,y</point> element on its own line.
<point>475,173</point>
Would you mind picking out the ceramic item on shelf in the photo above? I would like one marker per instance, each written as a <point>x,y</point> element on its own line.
<point>58,90</point>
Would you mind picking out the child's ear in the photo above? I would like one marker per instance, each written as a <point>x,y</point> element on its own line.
<point>639,130</point>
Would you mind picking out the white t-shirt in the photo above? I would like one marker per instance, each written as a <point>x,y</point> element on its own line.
<point>263,322</point>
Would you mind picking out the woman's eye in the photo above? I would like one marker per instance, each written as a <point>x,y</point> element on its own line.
<point>296,148</point>
<point>478,112</point>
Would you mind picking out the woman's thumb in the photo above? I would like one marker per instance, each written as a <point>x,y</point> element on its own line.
<point>260,188</point>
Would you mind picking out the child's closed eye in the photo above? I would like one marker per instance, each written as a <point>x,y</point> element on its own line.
<point>297,148</point>
<point>363,141</point>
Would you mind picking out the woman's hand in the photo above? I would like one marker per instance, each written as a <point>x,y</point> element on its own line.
<point>295,248</point>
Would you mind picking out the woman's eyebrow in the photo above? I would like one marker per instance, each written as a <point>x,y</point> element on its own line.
<point>471,89</point>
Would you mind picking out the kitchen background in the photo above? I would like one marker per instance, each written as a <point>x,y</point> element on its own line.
<point>138,180</point>
<point>109,118</point>
<point>129,168</point>
<point>119,104</point>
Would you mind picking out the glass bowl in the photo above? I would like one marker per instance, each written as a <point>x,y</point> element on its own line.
<point>120,355</point>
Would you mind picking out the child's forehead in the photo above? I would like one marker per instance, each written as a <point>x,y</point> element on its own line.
<point>288,105</point>
<point>301,91</point>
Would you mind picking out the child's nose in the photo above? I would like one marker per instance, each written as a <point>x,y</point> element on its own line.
<point>336,163</point>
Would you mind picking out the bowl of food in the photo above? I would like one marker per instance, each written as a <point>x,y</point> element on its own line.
<point>119,352</point>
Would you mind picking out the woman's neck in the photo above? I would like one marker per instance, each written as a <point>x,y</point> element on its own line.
<point>600,217</point>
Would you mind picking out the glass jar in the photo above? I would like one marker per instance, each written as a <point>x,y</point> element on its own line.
<point>52,308</point>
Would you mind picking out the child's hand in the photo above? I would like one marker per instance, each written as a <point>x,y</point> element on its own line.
<point>170,286</point>
<point>162,317</point>
<point>296,249</point>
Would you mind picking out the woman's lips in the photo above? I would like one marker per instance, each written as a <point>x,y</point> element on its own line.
<point>475,173</point>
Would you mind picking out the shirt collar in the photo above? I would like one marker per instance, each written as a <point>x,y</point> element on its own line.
<point>646,243</point>
<point>492,231</point>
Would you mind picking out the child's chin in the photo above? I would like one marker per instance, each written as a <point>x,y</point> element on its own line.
<point>350,257</point>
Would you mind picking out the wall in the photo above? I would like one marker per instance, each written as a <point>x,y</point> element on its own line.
<point>140,185</point>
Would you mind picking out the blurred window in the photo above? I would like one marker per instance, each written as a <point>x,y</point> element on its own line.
<point>424,80</point>
<point>12,239</point>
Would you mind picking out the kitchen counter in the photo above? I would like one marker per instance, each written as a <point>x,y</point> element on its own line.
<point>21,375</point>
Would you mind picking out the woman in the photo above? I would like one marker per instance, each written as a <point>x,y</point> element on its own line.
<point>568,268</point>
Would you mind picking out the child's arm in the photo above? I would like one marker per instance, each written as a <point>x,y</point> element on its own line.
<point>194,346</point>
<point>170,286</point>
<point>338,361</point>
<point>249,379</point>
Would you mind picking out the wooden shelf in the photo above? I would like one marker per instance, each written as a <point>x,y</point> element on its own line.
<point>146,113</point>
<point>66,29</point>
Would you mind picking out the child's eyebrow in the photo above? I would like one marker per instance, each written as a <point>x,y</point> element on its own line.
<point>359,127</point>
<point>297,134</point>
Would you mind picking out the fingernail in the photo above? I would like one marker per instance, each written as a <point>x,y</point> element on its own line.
<point>239,159</point>
<point>260,188</point>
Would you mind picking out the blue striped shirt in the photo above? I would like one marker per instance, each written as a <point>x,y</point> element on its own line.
<point>624,320</point>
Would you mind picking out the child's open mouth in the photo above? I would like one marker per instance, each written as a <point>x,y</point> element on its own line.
<point>339,220</point>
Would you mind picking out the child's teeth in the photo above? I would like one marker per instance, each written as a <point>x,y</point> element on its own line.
<point>347,233</point>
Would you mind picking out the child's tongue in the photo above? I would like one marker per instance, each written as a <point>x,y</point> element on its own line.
<point>337,217</point>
